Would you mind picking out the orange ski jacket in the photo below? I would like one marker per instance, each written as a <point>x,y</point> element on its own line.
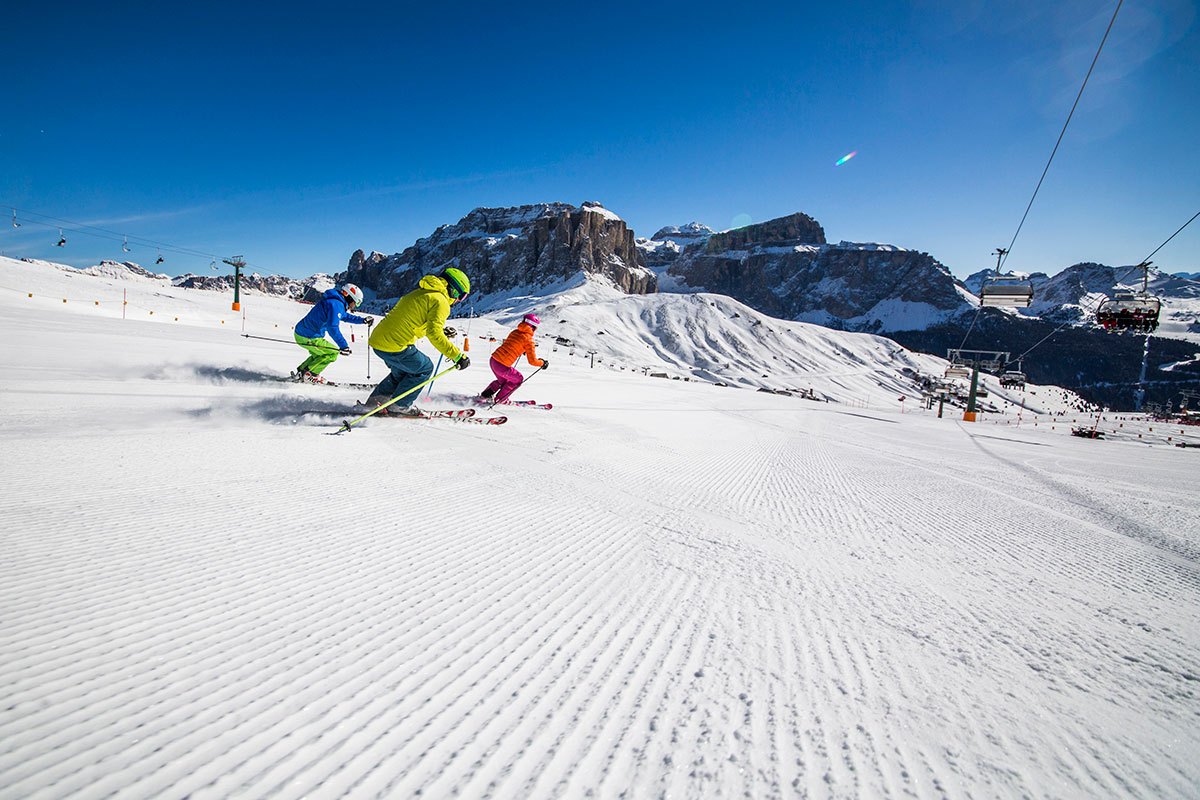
<point>516,344</point>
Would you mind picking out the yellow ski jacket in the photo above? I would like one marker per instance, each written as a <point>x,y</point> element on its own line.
<point>419,314</point>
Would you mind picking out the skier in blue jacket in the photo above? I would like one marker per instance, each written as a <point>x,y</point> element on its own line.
<point>325,318</point>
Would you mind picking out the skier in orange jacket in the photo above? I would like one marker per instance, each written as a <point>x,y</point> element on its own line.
<point>504,358</point>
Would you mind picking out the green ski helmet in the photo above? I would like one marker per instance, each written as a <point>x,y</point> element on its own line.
<point>458,286</point>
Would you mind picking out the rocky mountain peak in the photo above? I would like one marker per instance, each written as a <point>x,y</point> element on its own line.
<point>786,268</point>
<point>501,249</point>
<point>782,232</point>
<point>692,230</point>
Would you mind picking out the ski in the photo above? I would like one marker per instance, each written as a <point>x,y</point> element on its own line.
<point>457,415</point>
<point>476,420</point>
<point>527,403</point>
<point>449,413</point>
<point>335,384</point>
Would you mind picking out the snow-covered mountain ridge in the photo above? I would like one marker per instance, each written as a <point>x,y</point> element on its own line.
<point>695,337</point>
<point>307,289</point>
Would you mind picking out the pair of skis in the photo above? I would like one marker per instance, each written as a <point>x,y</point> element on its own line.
<point>455,414</point>
<point>294,379</point>
<point>528,403</point>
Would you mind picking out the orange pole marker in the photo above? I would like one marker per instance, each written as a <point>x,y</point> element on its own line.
<point>466,344</point>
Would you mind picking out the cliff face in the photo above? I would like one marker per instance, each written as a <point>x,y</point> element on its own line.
<point>501,249</point>
<point>785,268</point>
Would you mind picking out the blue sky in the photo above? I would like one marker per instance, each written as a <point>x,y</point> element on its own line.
<point>295,133</point>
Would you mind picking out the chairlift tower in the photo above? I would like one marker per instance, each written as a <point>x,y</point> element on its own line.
<point>987,360</point>
<point>237,263</point>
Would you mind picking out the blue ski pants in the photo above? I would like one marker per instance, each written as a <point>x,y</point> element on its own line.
<point>409,368</point>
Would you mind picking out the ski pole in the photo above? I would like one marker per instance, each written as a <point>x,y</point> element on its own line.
<point>266,338</point>
<point>370,322</point>
<point>429,393</point>
<point>284,341</point>
<point>347,424</point>
<point>514,391</point>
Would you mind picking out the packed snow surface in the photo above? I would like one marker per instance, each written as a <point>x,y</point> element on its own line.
<point>658,588</point>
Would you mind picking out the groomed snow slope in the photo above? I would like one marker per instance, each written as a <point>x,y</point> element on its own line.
<point>658,588</point>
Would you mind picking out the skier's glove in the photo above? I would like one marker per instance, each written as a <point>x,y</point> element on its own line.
<point>368,320</point>
<point>463,362</point>
<point>345,351</point>
<point>545,363</point>
<point>450,332</point>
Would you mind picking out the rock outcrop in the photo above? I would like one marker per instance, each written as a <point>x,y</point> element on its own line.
<point>784,267</point>
<point>503,249</point>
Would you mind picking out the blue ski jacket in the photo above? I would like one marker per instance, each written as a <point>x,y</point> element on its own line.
<point>326,317</point>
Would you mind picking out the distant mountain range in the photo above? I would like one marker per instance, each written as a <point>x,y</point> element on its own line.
<point>784,268</point>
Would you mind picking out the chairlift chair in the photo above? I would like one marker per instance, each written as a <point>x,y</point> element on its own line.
<point>61,239</point>
<point>991,365</point>
<point>125,244</point>
<point>15,223</point>
<point>1129,311</point>
<point>1006,291</point>
<point>958,371</point>
<point>1012,379</point>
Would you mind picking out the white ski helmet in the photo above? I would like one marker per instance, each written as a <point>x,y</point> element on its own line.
<point>353,295</point>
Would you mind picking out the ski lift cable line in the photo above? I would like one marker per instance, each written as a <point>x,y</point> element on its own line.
<point>81,227</point>
<point>1091,307</point>
<point>104,233</point>
<point>1145,265</point>
<point>1063,132</point>
<point>117,238</point>
<point>1172,236</point>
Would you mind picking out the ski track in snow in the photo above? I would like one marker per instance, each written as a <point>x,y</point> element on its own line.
<point>654,590</point>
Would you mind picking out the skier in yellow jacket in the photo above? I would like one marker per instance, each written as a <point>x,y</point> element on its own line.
<point>419,314</point>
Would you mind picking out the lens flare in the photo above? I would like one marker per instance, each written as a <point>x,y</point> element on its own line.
<point>845,158</point>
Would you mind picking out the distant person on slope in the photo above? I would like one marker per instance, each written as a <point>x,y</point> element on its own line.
<point>419,314</point>
<point>325,317</point>
<point>505,357</point>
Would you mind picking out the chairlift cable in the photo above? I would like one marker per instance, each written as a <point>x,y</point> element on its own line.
<point>974,319</point>
<point>1096,305</point>
<point>104,233</point>
<point>1063,132</point>
<point>1172,236</point>
<point>81,227</point>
